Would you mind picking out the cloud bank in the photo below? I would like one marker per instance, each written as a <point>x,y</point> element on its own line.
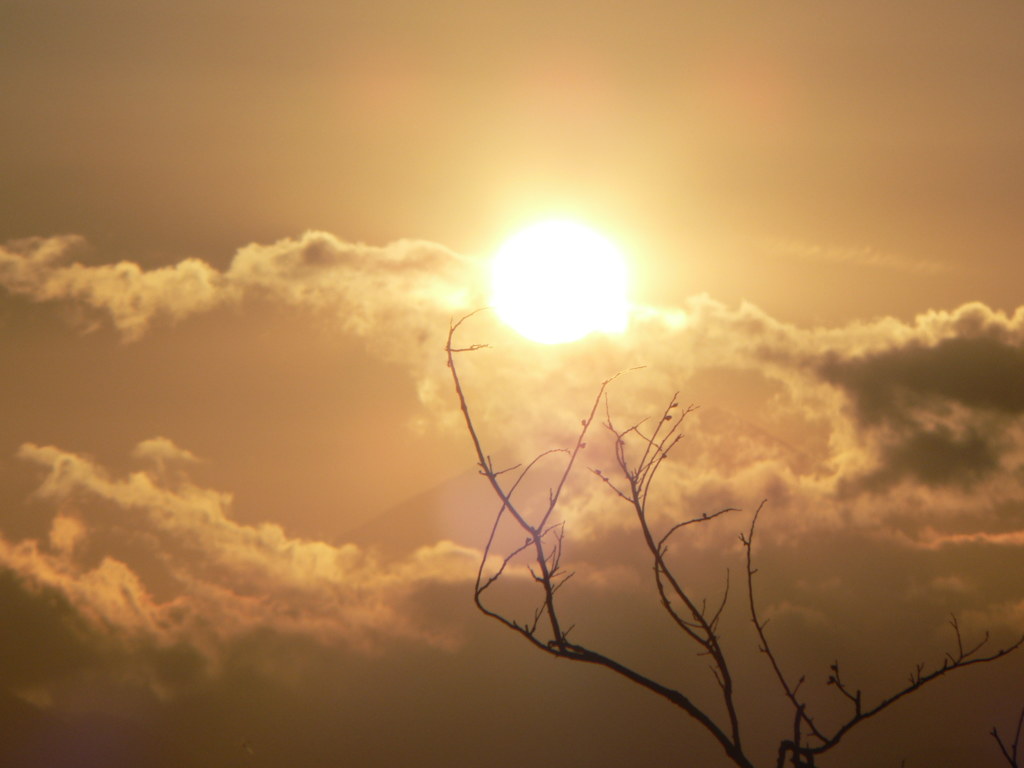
<point>186,572</point>
<point>910,430</point>
<point>886,406</point>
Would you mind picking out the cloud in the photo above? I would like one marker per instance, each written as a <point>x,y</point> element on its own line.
<point>860,256</point>
<point>934,456</point>
<point>980,372</point>
<point>161,450</point>
<point>924,411</point>
<point>65,533</point>
<point>185,572</point>
<point>940,410</point>
<point>397,293</point>
<point>890,453</point>
<point>933,539</point>
<point>132,297</point>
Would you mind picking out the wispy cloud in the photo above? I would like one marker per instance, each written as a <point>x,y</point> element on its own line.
<point>133,297</point>
<point>392,292</point>
<point>863,256</point>
<point>186,572</point>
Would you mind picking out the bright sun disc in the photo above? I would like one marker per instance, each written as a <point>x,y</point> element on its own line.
<point>557,281</point>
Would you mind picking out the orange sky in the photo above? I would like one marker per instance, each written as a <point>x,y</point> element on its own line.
<point>238,517</point>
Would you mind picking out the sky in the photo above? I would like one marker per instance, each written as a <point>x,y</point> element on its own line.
<point>240,517</point>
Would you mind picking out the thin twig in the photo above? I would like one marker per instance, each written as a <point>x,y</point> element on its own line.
<point>1011,752</point>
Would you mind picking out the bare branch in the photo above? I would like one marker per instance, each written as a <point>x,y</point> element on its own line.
<point>702,519</point>
<point>918,679</point>
<point>639,451</point>
<point>1011,752</point>
<point>695,624</point>
<point>759,626</point>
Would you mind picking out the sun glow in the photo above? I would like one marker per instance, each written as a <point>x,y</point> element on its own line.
<point>558,281</point>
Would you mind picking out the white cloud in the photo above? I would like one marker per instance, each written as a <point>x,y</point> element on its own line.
<point>398,294</point>
<point>161,450</point>
<point>66,533</point>
<point>133,297</point>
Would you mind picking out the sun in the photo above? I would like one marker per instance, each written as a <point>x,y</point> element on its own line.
<point>558,281</point>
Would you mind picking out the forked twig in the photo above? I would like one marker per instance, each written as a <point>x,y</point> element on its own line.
<point>1012,751</point>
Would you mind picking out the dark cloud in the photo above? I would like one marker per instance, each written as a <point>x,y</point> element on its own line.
<point>43,635</point>
<point>936,414</point>
<point>934,457</point>
<point>979,372</point>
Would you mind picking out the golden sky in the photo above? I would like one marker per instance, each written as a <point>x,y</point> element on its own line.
<point>239,520</point>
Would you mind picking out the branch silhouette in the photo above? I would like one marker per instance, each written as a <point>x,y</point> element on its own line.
<point>639,451</point>
<point>1010,751</point>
